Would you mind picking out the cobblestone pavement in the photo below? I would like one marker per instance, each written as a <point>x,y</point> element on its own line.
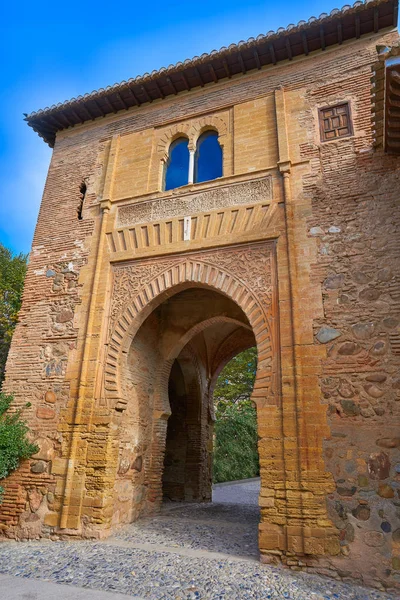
<point>187,552</point>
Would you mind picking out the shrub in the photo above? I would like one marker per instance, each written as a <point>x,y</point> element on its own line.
<point>12,274</point>
<point>235,446</point>
<point>14,443</point>
<point>235,440</point>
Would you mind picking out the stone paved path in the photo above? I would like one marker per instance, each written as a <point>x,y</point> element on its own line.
<point>187,552</point>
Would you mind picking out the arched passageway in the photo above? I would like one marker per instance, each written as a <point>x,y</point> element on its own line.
<point>168,379</point>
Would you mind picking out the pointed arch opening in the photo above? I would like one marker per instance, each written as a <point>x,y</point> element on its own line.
<point>208,158</point>
<point>177,165</point>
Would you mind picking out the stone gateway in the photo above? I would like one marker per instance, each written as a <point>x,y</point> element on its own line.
<point>245,198</point>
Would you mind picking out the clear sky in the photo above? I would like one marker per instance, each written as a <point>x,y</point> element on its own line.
<point>53,51</point>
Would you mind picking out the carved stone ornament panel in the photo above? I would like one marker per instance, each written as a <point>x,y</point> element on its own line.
<point>245,273</point>
<point>249,192</point>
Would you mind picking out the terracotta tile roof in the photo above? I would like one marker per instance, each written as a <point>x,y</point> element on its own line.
<point>351,22</point>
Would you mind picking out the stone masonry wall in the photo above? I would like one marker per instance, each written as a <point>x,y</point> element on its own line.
<point>356,222</point>
<point>345,240</point>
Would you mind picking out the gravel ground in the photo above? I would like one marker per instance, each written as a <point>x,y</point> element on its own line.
<point>205,552</point>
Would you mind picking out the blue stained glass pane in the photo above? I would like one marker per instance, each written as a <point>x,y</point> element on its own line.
<point>208,162</point>
<point>178,165</point>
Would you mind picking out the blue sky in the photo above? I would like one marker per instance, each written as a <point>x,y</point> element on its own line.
<point>53,51</point>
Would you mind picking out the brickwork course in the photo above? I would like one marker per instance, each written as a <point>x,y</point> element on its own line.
<point>130,312</point>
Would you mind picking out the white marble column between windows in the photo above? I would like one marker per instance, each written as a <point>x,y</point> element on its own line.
<point>191,166</point>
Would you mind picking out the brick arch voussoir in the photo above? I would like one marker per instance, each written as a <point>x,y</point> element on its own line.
<point>190,273</point>
<point>208,123</point>
<point>171,134</point>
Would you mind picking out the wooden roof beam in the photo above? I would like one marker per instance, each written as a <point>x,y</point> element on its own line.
<point>340,33</point>
<point>213,73</point>
<point>109,104</point>
<point>159,90</point>
<point>87,111</point>
<point>358,25</point>
<point>241,63</point>
<point>185,81</point>
<point>146,93</point>
<point>257,58</point>
<point>322,37</point>
<point>44,127</point>
<point>132,95</point>
<point>305,43</point>
<point>56,122</point>
<point>65,117</point>
<point>376,19</point>
<point>196,70</point>
<point>76,116</point>
<point>171,83</point>
<point>289,49</point>
<point>226,67</point>
<point>272,53</point>
<point>124,104</point>
<point>103,114</point>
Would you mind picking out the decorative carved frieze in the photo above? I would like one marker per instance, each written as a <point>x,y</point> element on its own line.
<point>249,192</point>
<point>179,233</point>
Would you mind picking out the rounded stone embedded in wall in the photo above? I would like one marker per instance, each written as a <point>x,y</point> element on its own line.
<point>385,491</point>
<point>373,390</point>
<point>362,513</point>
<point>384,274</point>
<point>388,442</point>
<point>376,378</point>
<point>390,322</point>
<point>369,294</point>
<point>46,449</point>
<point>50,397</point>
<point>386,527</point>
<point>137,464</point>
<point>42,412</point>
<point>378,465</point>
<point>374,538</point>
<point>334,282</point>
<point>346,491</point>
<point>350,408</point>
<point>348,348</point>
<point>346,390</point>
<point>35,499</point>
<point>38,467</point>
<point>64,315</point>
<point>379,348</point>
<point>361,277</point>
<point>327,334</point>
<point>363,331</point>
<point>396,536</point>
<point>124,465</point>
<point>396,563</point>
<point>363,480</point>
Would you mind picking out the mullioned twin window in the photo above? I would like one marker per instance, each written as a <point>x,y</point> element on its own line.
<point>185,166</point>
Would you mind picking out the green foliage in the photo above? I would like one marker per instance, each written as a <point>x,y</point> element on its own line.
<point>14,443</point>
<point>235,443</point>
<point>12,275</point>
<point>235,382</point>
